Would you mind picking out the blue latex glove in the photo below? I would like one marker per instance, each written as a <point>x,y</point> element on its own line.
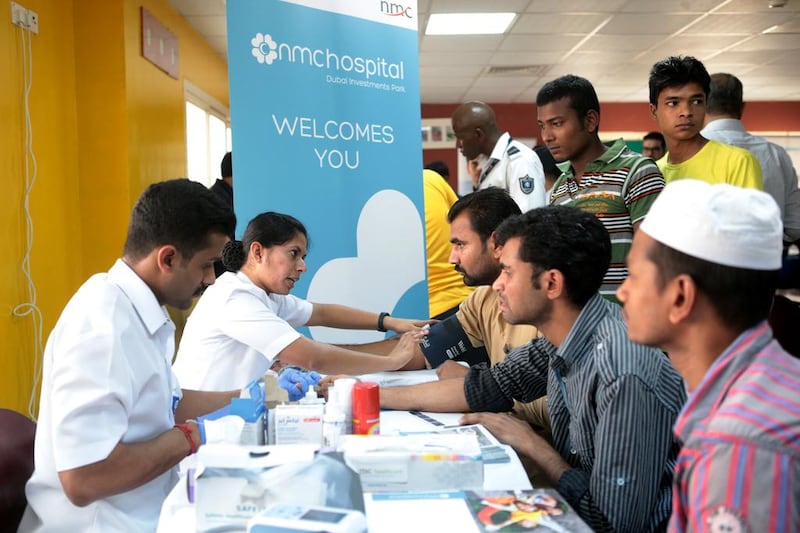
<point>296,381</point>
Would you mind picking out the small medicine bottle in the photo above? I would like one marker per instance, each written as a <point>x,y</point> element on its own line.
<point>311,398</point>
<point>333,425</point>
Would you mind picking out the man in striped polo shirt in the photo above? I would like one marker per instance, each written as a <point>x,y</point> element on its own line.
<point>703,272</point>
<point>613,183</point>
<point>612,403</point>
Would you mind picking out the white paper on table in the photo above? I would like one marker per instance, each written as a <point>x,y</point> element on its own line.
<point>395,422</point>
<point>420,512</point>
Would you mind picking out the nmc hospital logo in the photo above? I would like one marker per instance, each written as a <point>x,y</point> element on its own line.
<point>395,10</point>
<point>268,51</point>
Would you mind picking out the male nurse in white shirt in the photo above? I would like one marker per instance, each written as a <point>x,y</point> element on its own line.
<point>107,442</point>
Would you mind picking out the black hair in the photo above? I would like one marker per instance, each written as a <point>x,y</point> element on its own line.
<point>741,297</point>
<point>676,71</point>
<point>226,166</point>
<point>440,167</point>
<point>548,162</point>
<point>487,208</point>
<point>726,95</point>
<point>268,229</point>
<point>580,92</point>
<point>179,212</point>
<point>566,239</point>
<point>656,136</point>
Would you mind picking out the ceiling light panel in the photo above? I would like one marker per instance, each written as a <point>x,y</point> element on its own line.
<point>468,23</point>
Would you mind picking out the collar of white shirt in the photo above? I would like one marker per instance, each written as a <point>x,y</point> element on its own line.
<point>153,315</point>
<point>500,148</point>
<point>724,124</point>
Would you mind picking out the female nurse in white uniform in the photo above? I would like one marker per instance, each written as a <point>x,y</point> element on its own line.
<point>245,321</point>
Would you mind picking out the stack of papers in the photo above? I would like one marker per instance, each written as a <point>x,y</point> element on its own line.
<point>491,449</point>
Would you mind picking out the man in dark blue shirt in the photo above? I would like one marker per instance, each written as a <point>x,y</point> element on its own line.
<point>612,403</point>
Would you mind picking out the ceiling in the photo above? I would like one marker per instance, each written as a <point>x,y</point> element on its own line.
<point>613,43</point>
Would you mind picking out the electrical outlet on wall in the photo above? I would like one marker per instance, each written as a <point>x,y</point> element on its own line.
<point>24,18</point>
<point>33,21</point>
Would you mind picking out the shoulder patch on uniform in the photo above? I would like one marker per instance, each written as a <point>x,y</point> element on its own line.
<point>512,150</point>
<point>725,520</point>
<point>526,184</point>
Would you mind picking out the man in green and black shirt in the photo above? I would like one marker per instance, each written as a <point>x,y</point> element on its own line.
<point>615,184</point>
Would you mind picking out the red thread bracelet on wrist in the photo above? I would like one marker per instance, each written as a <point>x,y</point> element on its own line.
<point>187,432</point>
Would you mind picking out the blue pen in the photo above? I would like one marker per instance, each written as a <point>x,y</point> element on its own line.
<point>190,485</point>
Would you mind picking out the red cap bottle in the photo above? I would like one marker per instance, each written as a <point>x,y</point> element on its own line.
<point>366,408</point>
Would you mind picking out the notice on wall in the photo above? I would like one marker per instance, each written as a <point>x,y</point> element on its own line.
<point>325,118</point>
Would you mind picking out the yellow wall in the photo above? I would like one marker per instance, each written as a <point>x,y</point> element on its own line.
<point>106,123</point>
<point>55,262</point>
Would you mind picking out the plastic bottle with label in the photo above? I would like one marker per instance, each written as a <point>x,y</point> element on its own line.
<point>341,393</point>
<point>333,426</point>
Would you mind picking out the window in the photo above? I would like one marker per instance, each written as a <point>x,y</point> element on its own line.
<point>208,135</point>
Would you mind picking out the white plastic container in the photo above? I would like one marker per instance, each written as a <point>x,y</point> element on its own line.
<point>333,426</point>
<point>341,393</point>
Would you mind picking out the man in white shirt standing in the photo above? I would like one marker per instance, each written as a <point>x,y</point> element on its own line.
<point>723,123</point>
<point>107,444</point>
<point>505,163</point>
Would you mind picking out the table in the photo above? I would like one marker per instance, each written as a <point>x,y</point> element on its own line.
<point>177,514</point>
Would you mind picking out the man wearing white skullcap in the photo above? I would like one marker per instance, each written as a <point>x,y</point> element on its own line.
<point>703,272</point>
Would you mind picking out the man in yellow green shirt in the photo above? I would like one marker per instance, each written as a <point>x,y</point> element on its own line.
<point>679,87</point>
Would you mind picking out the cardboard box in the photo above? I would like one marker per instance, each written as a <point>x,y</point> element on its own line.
<point>234,483</point>
<point>299,424</point>
<point>425,462</point>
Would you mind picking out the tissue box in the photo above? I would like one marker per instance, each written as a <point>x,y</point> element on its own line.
<point>425,462</point>
<point>235,483</point>
<point>251,410</point>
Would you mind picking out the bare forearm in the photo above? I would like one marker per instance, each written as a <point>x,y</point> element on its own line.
<point>196,403</point>
<point>127,467</point>
<point>330,359</point>
<point>385,347</point>
<point>340,316</point>
<point>547,458</point>
<point>445,396</point>
<point>379,347</point>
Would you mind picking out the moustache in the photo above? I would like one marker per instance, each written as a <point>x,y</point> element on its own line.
<point>199,292</point>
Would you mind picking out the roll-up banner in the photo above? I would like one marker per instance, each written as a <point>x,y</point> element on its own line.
<point>325,118</point>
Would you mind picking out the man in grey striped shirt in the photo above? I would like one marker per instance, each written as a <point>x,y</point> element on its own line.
<point>612,402</point>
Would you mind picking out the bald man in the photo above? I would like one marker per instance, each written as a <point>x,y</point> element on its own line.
<point>505,163</point>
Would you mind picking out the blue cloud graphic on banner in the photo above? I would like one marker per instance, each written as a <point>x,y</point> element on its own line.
<point>389,224</point>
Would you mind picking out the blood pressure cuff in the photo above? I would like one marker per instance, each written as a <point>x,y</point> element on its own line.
<point>447,340</point>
